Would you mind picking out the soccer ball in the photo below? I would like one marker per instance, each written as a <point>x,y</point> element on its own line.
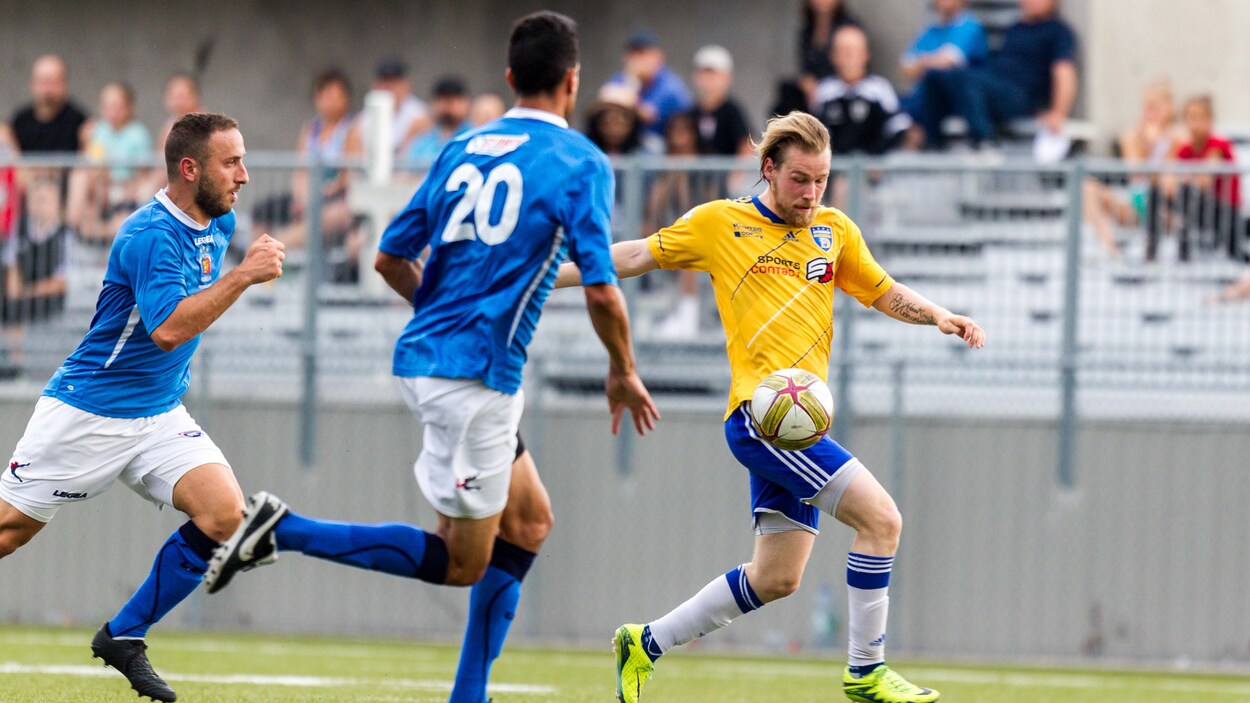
<point>792,409</point>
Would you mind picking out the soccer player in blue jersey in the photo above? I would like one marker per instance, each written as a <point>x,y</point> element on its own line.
<point>112,411</point>
<point>502,207</point>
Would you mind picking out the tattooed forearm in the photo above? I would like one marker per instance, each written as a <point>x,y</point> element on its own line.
<point>907,310</point>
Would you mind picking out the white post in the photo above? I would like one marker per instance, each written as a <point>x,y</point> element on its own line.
<point>379,126</point>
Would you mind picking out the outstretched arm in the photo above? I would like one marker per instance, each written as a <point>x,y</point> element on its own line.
<point>195,313</point>
<point>624,388</point>
<point>632,258</point>
<point>903,303</point>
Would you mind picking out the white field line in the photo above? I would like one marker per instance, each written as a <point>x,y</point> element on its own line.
<point>259,680</point>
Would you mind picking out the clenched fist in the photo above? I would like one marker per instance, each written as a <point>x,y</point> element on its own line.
<point>263,261</point>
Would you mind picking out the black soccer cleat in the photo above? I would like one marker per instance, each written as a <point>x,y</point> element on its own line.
<point>252,543</point>
<point>129,657</point>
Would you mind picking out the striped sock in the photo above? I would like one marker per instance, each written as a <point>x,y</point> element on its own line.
<point>712,608</point>
<point>867,586</point>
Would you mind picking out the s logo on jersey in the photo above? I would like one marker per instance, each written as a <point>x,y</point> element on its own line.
<point>820,270</point>
<point>823,236</point>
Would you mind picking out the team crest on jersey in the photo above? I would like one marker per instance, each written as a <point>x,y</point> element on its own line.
<point>823,236</point>
<point>206,264</point>
<point>496,144</point>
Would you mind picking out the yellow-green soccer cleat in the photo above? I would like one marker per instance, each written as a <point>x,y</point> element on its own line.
<point>633,666</point>
<point>885,685</point>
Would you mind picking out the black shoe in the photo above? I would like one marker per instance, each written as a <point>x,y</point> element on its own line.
<point>252,543</point>
<point>128,657</point>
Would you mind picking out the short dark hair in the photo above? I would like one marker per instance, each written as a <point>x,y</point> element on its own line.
<point>331,76</point>
<point>189,137</point>
<point>541,50</point>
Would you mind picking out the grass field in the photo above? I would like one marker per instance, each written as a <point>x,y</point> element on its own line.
<point>55,666</point>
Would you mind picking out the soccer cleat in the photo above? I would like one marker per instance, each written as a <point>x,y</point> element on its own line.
<point>129,657</point>
<point>633,666</point>
<point>885,685</point>
<point>252,543</point>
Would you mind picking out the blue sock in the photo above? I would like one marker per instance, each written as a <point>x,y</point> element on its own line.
<point>393,547</point>
<point>177,571</point>
<point>492,605</point>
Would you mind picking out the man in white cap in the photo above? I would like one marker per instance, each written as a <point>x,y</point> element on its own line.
<point>722,126</point>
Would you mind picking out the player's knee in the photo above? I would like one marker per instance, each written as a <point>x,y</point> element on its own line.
<point>531,531</point>
<point>220,524</point>
<point>459,574</point>
<point>777,585</point>
<point>11,541</point>
<point>885,526</point>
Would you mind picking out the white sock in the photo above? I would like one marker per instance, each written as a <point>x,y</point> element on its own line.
<point>712,608</point>
<point>867,587</point>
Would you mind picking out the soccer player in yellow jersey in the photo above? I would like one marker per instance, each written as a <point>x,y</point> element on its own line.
<point>774,260</point>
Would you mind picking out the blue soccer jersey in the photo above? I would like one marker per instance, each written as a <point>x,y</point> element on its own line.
<point>159,257</point>
<point>502,207</point>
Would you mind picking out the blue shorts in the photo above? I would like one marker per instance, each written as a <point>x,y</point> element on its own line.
<point>784,482</point>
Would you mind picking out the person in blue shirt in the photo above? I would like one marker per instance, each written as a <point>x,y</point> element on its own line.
<point>661,92</point>
<point>502,207</point>
<point>956,39</point>
<point>1033,74</point>
<point>113,410</point>
<point>450,110</point>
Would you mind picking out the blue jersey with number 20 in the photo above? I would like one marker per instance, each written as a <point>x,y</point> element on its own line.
<point>502,207</point>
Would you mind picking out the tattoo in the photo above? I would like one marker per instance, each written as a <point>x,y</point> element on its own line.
<point>909,311</point>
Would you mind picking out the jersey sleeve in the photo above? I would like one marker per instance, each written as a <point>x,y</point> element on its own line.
<point>409,232</point>
<point>587,222</point>
<point>155,267</point>
<point>689,243</point>
<point>856,272</point>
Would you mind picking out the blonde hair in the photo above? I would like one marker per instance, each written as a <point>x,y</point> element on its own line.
<point>797,129</point>
<point>1161,88</point>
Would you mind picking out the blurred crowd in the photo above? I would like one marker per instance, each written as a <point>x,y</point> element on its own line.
<point>967,88</point>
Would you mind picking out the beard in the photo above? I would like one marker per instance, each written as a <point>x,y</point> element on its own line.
<point>210,202</point>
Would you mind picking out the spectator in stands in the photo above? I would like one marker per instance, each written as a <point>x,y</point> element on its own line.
<point>672,194</point>
<point>722,126</point>
<point>861,110</point>
<point>1032,74</point>
<point>32,274</point>
<point>8,183</point>
<point>486,107</point>
<point>613,124</point>
<point>412,115</point>
<point>101,198</point>
<point>1147,143</point>
<point>955,40</point>
<point>451,118</point>
<point>331,135</point>
<point>181,97</point>
<point>661,92</point>
<point>51,122</point>
<point>1207,202</point>
<point>821,20</point>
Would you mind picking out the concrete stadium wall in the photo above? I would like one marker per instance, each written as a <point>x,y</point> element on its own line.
<point>1143,559</point>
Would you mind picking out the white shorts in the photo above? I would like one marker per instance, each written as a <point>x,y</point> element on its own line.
<point>68,455</point>
<point>465,466</point>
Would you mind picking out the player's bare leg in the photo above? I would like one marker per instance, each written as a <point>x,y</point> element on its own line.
<point>776,567</point>
<point>211,497</point>
<point>523,527</point>
<point>16,529</point>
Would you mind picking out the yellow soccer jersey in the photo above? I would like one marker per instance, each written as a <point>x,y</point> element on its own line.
<point>773,283</point>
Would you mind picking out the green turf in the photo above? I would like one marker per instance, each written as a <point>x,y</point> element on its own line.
<point>201,666</point>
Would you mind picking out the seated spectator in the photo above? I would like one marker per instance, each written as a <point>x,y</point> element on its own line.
<point>613,124</point>
<point>181,97</point>
<point>101,198</point>
<point>672,194</point>
<point>1147,143</point>
<point>412,115</point>
<point>1033,74</point>
<point>660,91</point>
<point>51,122</point>
<point>451,118</point>
<point>486,107</point>
<point>722,126</point>
<point>821,20</point>
<point>32,275</point>
<point>861,110</point>
<point>1206,202</point>
<point>955,40</point>
<point>331,135</point>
